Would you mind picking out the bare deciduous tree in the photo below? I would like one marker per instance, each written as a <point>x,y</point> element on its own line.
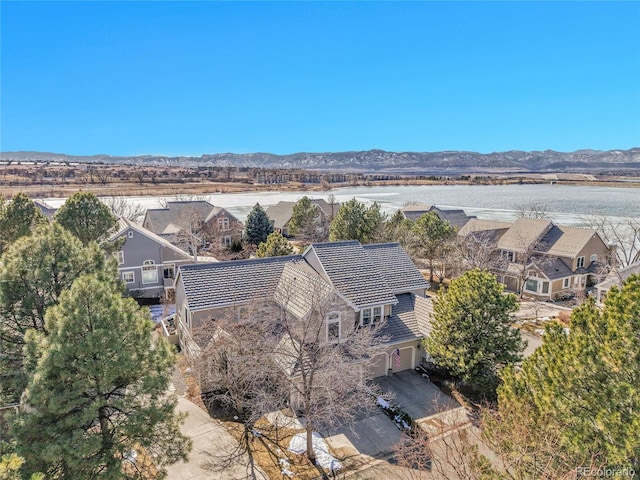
<point>624,234</point>
<point>309,344</point>
<point>538,210</point>
<point>123,208</point>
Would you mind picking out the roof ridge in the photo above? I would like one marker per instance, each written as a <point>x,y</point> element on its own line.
<point>245,261</point>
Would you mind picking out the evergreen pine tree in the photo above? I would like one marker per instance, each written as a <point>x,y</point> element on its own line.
<point>35,270</point>
<point>582,386</point>
<point>17,218</point>
<point>472,337</point>
<point>86,217</point>
<point>98,397</point>
<point>258,226</point>
<point>275,246</point>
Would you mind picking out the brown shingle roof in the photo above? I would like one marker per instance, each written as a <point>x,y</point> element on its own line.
<point>566,241</point>
<point>523,234</point>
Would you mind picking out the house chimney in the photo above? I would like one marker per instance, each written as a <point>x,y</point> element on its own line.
<point>613,253</point>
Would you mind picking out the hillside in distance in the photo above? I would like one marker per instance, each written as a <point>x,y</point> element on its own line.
<point>452,162</point>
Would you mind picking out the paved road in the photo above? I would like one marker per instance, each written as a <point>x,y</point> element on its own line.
<point>211,444</point>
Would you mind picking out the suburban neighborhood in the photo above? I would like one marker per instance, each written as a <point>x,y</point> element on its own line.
<point>346,349</point>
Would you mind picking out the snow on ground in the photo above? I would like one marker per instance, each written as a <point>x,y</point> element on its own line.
<point>323,457</point>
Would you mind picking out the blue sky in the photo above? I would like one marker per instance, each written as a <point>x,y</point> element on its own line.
<point>188,78</point>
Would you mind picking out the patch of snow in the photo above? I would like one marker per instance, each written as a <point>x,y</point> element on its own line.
<point>382,402</point>
<point>539,331</point>
<point>284,462</point>
<point>287,472</point>
<point>298,445</point>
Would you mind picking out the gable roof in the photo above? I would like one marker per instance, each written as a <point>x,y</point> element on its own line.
<point>400,273</point>
<point>476,225</point>
<point>524,233</point>
<point>167,220</point>
<point>235,282</point>
<point>124,225</point>
<point>357,277</point>
<point>566,241</point>
<point>301,289</point>
<point>456,217</point>
<point>281,212</point>
<point>410,319</point>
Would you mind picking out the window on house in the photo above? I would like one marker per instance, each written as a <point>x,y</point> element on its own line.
<point>149,272</point>
<point>128,277</point>
<point>509,255</point>
<point>531,285</point>
<point>225,241</point>
<point>565,283</point>
<point>169,271</point>
<point>223,223</point>
<point>130,234</point>
<point>580,262</point>
<point>545,287</point>
<point>365,317</point>
<point>120,257</point>
<point>593,258</point>
<point>377,314</point>
<point>333,327</point>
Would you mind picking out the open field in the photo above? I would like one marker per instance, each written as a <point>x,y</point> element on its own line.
<point>42,180</point>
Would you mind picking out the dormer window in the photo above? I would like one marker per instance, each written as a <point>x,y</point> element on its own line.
<point>370,316</point>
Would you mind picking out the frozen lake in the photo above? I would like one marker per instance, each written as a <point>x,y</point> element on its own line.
<point>567,204</point>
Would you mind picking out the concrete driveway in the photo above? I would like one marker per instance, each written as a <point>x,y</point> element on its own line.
<point>416,395</point>
<point>211,444</point>
<point>375,435</point>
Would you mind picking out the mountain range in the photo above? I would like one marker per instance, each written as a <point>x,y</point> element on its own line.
<point>377,161</point>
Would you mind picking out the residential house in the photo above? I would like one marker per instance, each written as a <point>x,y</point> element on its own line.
<point>46,209</point>
<point>365,284</point>
<point>280,214</point>
<point>147,262</point>
<point>549,261</point>
<point>192,225</point>
<point>457,218</point>
<point>615,278</point>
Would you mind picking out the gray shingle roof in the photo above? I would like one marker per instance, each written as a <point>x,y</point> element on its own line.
<point>456,217</point>
<point>553,268</point>
<point>357,277</point>
<point>301,289</point>
<point>165,220</point>
<point>215,285</point>
<point>410,319</point>
<point>400,273</point>
<point>281,212</point>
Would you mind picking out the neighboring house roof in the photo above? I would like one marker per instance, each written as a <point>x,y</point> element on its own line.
<point>566,241</point>
<point>413,212</point>
<point>235,282</point>
<point>523,234</point>
<point>124,225</point>
<point>281,212</point>
<point>46,209</point>
<point>455,217</point>
<point>400,273</point>
<point>410,319</point>
<point>167,220</point>
<point>475,225</point>
<point>553,268</point>
<point>617,277</point>
<point>357,277</point>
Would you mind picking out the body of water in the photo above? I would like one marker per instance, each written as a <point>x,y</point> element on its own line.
<point>567,205</point>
